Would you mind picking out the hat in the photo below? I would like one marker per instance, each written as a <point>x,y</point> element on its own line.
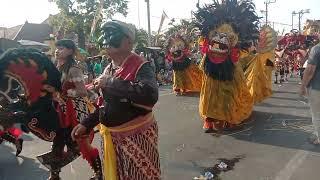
<point>127,29</point>
<point>67,43</point>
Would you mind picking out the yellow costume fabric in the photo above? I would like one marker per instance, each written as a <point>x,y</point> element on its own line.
<point>188,80</point>
<point>109,155</point>
<point>228,101</point>
<point>258,75</point>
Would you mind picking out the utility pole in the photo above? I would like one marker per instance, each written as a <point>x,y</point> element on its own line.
<point>273,25</point>
<point>198,4</point>
<point>139,14</point>
<point>149,25</point>
<point>267,2</point>
<point>293,14</point>
<point>300,14</point>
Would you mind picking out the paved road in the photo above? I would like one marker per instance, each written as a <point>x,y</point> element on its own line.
<point>272,147</point>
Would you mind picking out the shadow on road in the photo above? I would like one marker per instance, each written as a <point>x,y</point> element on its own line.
<point>283,98</point>
<point>264,104</point>
<point>286,92</point>
<point>278,130</point>
<point>19,168</point>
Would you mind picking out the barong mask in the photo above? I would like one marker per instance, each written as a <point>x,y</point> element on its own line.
<point>112,37</point>
<point>220,43</point>
<point>225,26</point>
<point>113,32</point>
<point>28,81</point>
<point>177,48</point>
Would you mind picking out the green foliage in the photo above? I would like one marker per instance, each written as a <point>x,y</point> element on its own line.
<point>185,25</point>
<point>141,40</point>
<point>77,15</point>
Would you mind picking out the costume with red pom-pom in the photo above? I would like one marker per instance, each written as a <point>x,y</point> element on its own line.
<point>225,100</point>
<point>12,135</point>
<point>186,74</point>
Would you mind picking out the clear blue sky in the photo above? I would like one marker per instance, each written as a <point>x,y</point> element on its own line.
<point>15,12</point>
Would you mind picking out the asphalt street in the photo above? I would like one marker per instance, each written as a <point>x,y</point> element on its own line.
<point>272,146</point>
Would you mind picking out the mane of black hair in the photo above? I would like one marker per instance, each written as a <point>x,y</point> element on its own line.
<point>222,71</point>
<point>240,15</point>
<point>25,54</point>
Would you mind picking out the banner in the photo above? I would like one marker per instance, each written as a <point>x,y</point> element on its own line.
<point>163,17</point>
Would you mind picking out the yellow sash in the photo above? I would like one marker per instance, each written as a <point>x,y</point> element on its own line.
<point>110,161</point>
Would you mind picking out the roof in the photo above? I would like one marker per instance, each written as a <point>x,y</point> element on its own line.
<point>32,43</point>
<point>34,32</point>
<point>8,43</point>
<point>9,33</point>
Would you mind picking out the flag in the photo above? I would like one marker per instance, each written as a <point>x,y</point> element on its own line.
<point>163,17</point>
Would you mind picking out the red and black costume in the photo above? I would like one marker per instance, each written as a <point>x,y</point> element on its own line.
<point>130,88</point>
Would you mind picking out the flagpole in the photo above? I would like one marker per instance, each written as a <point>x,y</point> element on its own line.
<point>149,25</point>
<point>139,14</point>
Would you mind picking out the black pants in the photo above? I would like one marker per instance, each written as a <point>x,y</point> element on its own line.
<point>301,72</point>
<point>62,139</point>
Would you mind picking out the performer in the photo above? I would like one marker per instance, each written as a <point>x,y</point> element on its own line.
<point>225,100</point>
<point>258,67</point>
<point>287,62</point>
<point>73,107</point>
<point>130,139</point>
<point>187,76</point>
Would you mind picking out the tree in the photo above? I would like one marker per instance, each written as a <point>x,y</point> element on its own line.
<point>78,15</point>
<point>141,41</point>
<point>185,27</point>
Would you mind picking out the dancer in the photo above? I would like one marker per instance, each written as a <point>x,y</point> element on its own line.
<point>128,84</point>
<point>186,74</point>
<point>225,100</point>
<point>73,108</point>
<point>259,66</point>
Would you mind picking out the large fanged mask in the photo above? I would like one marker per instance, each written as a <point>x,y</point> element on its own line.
<point>10,91</point>
<point>10,102</point>
<point>176,48</point>
<point>221,41</point>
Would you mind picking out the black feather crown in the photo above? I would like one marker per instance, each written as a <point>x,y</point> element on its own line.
<point>240,15</point>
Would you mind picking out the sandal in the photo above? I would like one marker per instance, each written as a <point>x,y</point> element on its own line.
<point>208,127</point>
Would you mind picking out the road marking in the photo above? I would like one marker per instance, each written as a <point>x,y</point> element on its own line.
<point>292,165</point>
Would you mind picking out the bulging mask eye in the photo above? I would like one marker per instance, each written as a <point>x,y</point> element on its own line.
<point>112,37</point>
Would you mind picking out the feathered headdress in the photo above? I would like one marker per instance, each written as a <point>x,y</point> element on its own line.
<point>240,15</point>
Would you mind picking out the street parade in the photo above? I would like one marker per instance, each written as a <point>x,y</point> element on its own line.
<point>100,91</point>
